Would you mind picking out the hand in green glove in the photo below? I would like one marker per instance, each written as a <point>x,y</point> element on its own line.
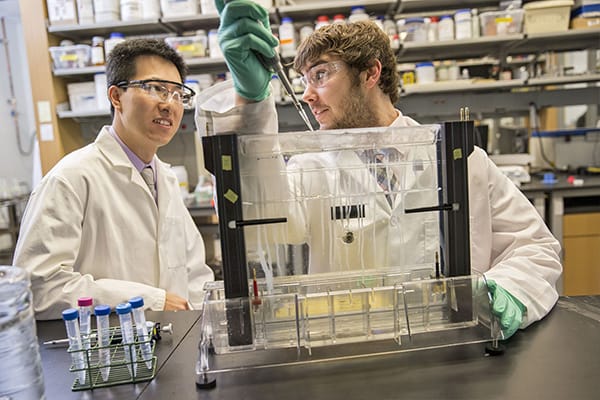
<point>507,308</point>
<point>243,32</point>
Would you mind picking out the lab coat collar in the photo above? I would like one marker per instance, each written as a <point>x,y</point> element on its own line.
<point>111,149</point>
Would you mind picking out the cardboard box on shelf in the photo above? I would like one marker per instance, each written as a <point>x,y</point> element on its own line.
<point>585,23</point>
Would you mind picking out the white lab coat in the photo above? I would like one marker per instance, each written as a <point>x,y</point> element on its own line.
<point>92,228</point>
<point>509,241</point>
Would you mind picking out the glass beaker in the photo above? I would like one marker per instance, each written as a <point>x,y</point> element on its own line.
<point>21,376</point>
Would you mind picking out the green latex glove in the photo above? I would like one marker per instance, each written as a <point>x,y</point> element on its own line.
<point>244,31</point>
<point>507,308</point>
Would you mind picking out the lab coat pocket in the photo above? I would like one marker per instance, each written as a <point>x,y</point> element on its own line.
<point>172,244</point>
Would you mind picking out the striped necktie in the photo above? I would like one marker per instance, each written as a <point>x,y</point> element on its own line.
<point>383,173</point>
<point>148,176</point>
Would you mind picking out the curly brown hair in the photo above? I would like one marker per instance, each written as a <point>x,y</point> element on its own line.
<point>357,44</point>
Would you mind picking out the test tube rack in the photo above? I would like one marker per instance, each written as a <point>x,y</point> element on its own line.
<point>119,366</point>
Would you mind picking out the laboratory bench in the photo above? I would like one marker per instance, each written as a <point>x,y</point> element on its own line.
<point>556,358</point>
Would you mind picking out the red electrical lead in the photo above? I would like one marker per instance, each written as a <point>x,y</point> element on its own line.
<point>256,301</point>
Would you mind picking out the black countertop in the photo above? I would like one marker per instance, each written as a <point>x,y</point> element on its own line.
<point>556,358</point>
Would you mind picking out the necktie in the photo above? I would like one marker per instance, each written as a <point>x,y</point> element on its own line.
<point>148,176</point>
<point>384,175</point>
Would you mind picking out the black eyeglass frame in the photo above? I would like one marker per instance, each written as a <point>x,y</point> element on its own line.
<point>142,82</point>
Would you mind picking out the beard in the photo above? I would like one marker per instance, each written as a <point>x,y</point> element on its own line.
<point>358,112</point>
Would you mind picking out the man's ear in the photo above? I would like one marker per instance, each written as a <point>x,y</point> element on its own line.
<point>373,74</point>
<point>114,96</point>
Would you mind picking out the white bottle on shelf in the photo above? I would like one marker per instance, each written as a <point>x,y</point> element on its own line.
<point>462,24</point>
<point>446,28</point>
<point>339,19</point>
<point>305,32</point>
<point>358,13</point>
<point>287,37</point>
<point>213,44</point>
<point>475,30</point>
<point>322,20</point>
<point>114,39</point>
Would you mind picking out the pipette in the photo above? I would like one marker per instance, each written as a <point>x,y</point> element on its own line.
<point>275,63</point>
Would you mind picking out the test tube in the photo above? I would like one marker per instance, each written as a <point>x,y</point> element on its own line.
<point>102,312</point>
<point>124,313</point>
<point>137,308</point>
<point>70,316</point>
<point>85,327</point>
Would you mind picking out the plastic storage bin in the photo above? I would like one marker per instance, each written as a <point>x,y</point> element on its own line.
<point>189,46</point>
<point>75,56</point>
<point>547,16</point>
<point>82,96</point>
<point>501,22</point>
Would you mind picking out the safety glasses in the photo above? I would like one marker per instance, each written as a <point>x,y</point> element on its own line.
<point>163,90</point>
<point>318,75</point>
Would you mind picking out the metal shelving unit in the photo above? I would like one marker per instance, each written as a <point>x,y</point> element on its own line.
<point>497,47</point>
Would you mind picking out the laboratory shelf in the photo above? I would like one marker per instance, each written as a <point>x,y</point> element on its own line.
<point>501,45</point>
<point>85,32</point>
<point>79,71</point>
<point>564,80</point>
<point>93,114</point>
<point>206,64</point>
<point>574,39</point>
<point>192,23</point>
<point>463,85</point>
<point>83,114</point>
<point>484,85</point>
<point>415,6</point>
<point>308,11</point>
<point>195,65</point>
<point>464,48</point>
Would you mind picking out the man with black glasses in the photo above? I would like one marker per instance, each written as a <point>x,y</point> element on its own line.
<point>108,220</point>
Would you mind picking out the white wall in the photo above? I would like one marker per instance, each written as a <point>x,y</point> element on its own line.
<point>13,162</point>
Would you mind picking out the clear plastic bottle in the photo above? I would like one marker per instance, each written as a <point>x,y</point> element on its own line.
<point>137,309</point>
<point>70,316</point>
<point>21,376</point>
<point>128,339</point>
<point>358,13</point>
<point>103,326</point>
<point>287,37</point>
<point>85,326</point>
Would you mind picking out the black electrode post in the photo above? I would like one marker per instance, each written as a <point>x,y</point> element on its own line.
<point>221,159</point>
<point>456,146</point>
